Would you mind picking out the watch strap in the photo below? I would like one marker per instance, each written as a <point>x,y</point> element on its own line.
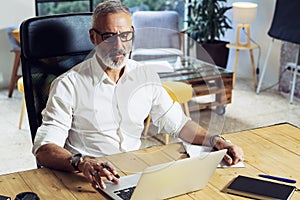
<point>212,140</point>
<point>75,160</point>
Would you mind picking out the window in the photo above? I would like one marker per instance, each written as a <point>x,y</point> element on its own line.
<point>177,5</point>
<point>49,7</point>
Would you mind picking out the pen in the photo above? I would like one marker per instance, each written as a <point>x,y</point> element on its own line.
<point>107,167</point>
<point>277,178</point>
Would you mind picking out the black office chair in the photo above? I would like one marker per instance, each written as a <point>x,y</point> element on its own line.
<point>50,46</point>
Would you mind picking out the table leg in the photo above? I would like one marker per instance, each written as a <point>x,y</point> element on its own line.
<point>237,52</point>
<point>22,112</point>
<point>253,68</point>
<point>14,73</point>
<point>147,124</point>
<point>186,109</point>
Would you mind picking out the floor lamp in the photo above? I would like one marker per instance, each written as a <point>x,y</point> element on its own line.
<point>285,26</point>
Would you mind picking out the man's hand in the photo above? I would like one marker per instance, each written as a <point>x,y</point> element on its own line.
<point>234,154</point>
<point>94,170</point>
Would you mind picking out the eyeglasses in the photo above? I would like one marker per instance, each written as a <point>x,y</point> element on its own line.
<point>110,37</point>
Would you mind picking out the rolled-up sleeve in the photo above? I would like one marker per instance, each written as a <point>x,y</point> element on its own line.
<point>166,114</point>
<point>57,116</point>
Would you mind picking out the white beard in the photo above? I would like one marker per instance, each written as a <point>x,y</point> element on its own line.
<point>111,60</point>
<point>108,61</point>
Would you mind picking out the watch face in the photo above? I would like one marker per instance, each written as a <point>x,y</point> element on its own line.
<point>75,160</point>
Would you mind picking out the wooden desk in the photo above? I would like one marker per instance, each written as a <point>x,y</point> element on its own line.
<point>272,150</point>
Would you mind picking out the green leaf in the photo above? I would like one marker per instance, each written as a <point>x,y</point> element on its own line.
<point>207,20</point>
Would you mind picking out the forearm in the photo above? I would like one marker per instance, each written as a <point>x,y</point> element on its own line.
<point>55,157</point>
<point>194,134</point>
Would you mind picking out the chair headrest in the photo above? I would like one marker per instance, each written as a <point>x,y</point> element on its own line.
<point>56,35</point>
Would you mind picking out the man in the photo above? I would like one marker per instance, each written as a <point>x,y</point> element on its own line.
<point>99,106</point>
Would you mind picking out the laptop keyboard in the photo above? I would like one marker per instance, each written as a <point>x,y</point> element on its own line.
<point>125,193</point>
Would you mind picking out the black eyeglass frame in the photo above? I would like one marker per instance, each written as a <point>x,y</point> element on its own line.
<point>114,35</point>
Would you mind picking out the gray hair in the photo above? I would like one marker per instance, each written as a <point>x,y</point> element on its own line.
<point>109,6</point>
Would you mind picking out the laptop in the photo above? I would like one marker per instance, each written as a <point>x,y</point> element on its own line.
<point>166,180</point>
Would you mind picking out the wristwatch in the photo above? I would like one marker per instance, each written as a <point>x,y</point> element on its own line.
<point>212,142</point>
<point>75,160</point>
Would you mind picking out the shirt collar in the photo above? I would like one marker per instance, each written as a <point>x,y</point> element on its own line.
<point>99,75</point>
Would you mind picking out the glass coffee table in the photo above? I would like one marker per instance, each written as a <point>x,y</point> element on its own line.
<point>205,78</point>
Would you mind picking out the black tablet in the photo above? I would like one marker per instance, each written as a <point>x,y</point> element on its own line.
<point>259,189</point>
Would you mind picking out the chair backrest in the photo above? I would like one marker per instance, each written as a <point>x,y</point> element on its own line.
<point>160,21</point>
<point>50,46</point>
<point>156,30</point>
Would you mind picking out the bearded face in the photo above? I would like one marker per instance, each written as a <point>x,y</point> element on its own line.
<point>113,34</point>
<point>115,57</point>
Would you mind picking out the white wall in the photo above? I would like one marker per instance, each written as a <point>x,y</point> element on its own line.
<point>15,11</point>
<point>259,30</point>
<point>12,12</point>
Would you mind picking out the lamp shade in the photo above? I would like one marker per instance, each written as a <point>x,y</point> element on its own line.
<point>244,12</point>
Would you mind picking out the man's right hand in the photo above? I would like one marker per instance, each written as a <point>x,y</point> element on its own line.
<point>95,170</point>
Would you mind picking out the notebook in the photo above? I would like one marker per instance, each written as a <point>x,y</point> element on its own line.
<point>260,189</point>
<point>166,180</point>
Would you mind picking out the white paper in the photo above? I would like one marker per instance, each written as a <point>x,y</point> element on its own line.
<point>197,150</point>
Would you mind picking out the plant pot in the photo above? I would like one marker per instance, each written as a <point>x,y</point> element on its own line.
<point>217,51</point>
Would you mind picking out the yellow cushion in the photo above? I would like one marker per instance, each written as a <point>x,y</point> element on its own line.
<point>16,34</point>
<point>20,85</point>
<point>178,91</point>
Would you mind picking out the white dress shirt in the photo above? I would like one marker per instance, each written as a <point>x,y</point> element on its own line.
<point>88,113</point>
